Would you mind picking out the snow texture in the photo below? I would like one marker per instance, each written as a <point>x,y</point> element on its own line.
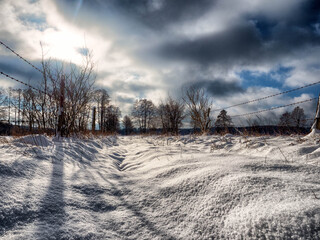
<point>206,187</point>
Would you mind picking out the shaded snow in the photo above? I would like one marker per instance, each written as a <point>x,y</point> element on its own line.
<point>35,140</point>
<point>189,187</point>
<point>315,133</point>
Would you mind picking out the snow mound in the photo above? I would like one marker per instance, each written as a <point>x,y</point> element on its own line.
<point>314,133</point>
<point>228,135</point>
<point>34,140</point>
<point>189,187</point>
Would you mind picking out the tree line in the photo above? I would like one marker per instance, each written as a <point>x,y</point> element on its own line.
<point>68,98</point>
<point>86,108</point>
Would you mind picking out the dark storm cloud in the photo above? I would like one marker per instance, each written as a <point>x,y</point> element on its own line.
<point>258,36</point>
<point>242,44</point>
<point>256,39</point>
<point>309,14</point>
<point>304,15</point>
<point>218,87</point>
<point>229,45</point>
<point>153,14</point>
<point>160,13</point>
<point>19,70</point>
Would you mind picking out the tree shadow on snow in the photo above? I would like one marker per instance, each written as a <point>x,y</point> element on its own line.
<point>135,209</point>
<point>52,214</point>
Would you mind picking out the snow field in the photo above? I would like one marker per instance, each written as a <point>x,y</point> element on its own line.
<point>189,187</point>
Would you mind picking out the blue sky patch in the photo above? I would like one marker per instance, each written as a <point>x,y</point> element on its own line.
<point>83,51</point>
<point>274,78</point>
<point>38,22</point>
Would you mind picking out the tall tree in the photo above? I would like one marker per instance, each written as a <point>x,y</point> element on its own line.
<point>112,122</point>
<point>298,117</point>
<point>77,90</point>
<point>102,99</point>
<point>223,120</point>
<point>171,114</point>
<point>144,114</point>
<point>127,124</point>
<point>199,106</point>
<point>29,107</point>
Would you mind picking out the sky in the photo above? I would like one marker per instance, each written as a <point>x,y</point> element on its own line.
<point>237,50</point>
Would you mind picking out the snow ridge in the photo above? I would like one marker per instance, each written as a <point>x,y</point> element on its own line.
<point>206,187</point>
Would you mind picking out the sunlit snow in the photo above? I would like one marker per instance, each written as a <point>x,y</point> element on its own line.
<point>133,187</point>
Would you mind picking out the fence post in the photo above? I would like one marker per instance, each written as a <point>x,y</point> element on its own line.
<point>316,123</point>
<point>19,107</point>
<point>9,103</point>
<point>93,119</point>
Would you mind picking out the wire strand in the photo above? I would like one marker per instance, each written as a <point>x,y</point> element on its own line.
<point>18,55</point>
<point>273,108</point>
<point>266,97</point>
<point>28,85</point>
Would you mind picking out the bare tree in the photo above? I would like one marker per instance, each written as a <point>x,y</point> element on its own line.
<point>40,109</point>
<point>199,106</point>
<point>144,114</point>
<point>44,99</point>
<point>112,122</point>
<point>127,124</point>
<point>77,92</point>
<point>285,119</point>
<point>163,112</point>
<point>171,114</point>
<point>102,99</point>
<point>29,107</point>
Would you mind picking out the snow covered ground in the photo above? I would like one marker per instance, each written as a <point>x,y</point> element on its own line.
<point>207,187</point>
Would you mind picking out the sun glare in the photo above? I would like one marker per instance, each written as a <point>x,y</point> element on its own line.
<point>64,45</point>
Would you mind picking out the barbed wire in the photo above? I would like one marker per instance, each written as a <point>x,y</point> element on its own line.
<point>19,56</point>
<point>273,108</point>
<point>266,97</point>
<point>235,105</point>
<point>28,85</point>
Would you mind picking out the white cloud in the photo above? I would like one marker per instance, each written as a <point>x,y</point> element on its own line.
<point>115,48</point>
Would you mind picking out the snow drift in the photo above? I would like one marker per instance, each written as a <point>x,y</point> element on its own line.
<point>35,140</point>
<point>189,187</point>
